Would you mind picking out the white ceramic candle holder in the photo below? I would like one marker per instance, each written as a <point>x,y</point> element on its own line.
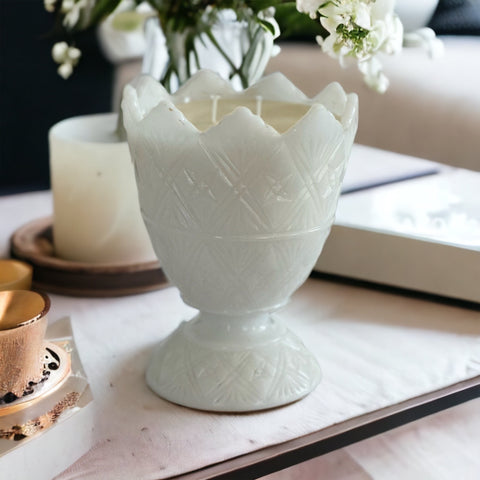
<point>237,214</point>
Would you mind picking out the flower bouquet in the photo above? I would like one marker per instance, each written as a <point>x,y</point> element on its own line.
<point>353,31</point>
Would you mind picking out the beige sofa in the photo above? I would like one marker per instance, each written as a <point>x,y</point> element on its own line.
<point>431,110</point>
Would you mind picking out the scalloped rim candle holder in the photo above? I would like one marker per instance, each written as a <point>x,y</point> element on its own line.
<point>237,211</point>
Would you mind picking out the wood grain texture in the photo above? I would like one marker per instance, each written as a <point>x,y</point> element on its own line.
<point>33,243</point>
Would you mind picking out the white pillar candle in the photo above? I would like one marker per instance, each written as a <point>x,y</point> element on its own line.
<point>96,212</point>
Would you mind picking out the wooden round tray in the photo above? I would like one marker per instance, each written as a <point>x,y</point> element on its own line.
<point>33,243</point>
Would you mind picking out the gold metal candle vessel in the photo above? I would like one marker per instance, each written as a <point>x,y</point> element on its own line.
<point>15,275</point>
<point>37,385</point>
<point>23,323</point>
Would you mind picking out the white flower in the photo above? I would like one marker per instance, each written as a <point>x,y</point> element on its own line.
<point>73,11</point>
<point>373,75</point>
<point>71,17</point>
<point>49,5</point>
<point>67,5</point>
<point>65,70</point>
<point>362,15</point>
<point>359,30</point>
<point>383,14</point>
<point>73,55</point>
<point>309,6</point>
<point>425,38</point>
<point>67,57</point>
<point>268,15</point>
<point>59,51</point>
<point>346,12</point>
<point>63,53</point>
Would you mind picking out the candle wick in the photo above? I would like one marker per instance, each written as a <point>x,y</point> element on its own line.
<point>214,107</point>
<point>259,105</point>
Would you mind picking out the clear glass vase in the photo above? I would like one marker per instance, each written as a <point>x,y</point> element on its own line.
<point>238,50</point>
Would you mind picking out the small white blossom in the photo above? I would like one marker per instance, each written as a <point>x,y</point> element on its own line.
<point>73,11</point>
<point>49,5</point>
<point>383,13</point>
<point>67,5</point>
<point>309,6</point>
<point>65,70</point>
<point>373,75</point>
<point>73,55</point>
<point>362,28</point>
<point>425,38</point>
<point>67,57</point>
<point>362,15</point>
<point>59,51</point>
<point>346,12</point>
<point>359,30</point>
<point>71,18</point>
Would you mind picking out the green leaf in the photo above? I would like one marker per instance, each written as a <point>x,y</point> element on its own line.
<point>297,25</point>
<point>259,5</point>
<point>127,21</point>
<point>103,8</point>
<point>267,26</point>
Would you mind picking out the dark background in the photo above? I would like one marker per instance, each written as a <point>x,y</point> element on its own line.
<point>33,97</point>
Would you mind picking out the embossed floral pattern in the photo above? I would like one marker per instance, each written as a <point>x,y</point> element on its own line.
<point>238,200</point>
<point>237,214</point>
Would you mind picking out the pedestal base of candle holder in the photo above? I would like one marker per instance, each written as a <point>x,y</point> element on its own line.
<point>33,243</point>
<point>232,364</point>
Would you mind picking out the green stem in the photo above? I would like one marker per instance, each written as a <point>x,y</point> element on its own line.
<point>219,48</point>
<point>248,57</point>
<point>235,70</point>
<point>188,47</point>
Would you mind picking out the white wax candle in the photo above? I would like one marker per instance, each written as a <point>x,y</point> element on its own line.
<point>206,113</point>
<point>96,211</point>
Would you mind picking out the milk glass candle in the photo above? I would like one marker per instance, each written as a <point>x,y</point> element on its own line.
<point>238,191</point>
<point>96,212</point>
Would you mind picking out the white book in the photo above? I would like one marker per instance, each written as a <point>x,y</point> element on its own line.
<point>422,233</point>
